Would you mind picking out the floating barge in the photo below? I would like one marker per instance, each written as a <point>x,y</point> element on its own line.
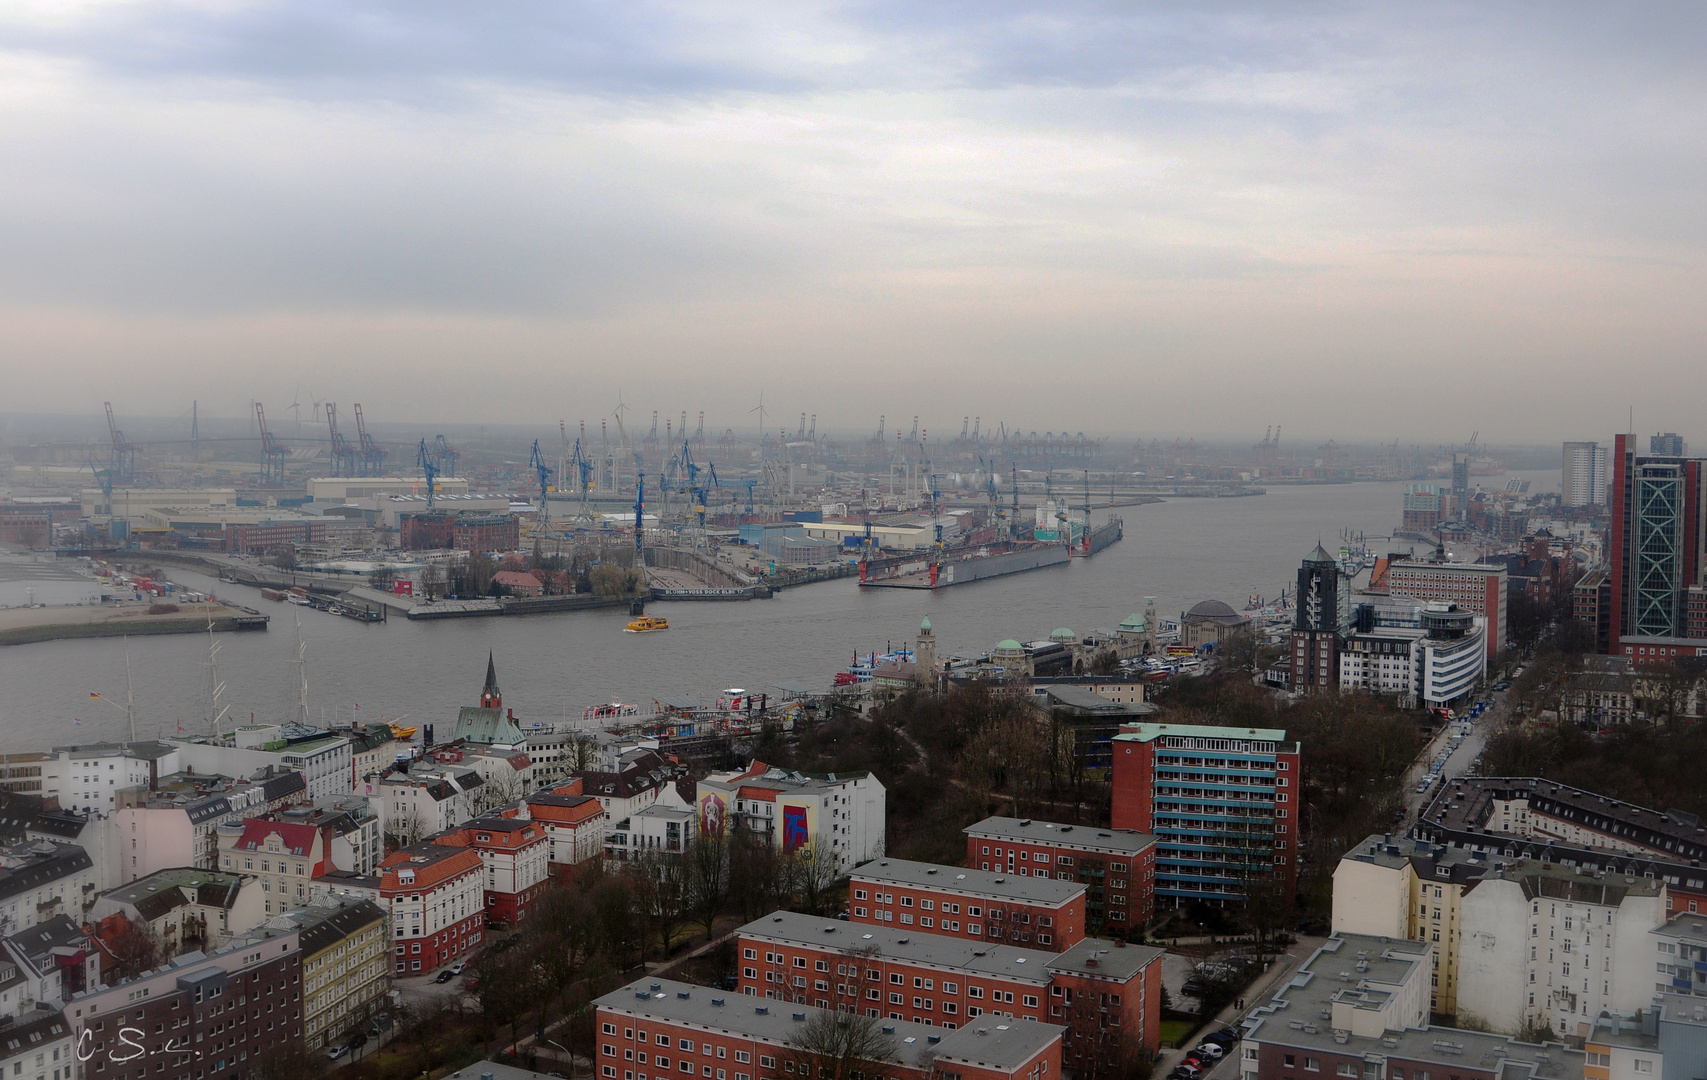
<point>987,562</point>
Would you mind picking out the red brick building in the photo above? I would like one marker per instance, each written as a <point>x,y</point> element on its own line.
<point>486,532</point>
<point>1107,987</point>
<point>976,904</point>
<point>660,1029</point>
<point>1117,867</point>
<point>267,536</point>
<point>436,898</point>
<point>516,856</point>
<point>1656,557</point>
<point>1222,802</point>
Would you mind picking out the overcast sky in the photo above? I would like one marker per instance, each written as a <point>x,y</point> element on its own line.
<point>1353,220</point>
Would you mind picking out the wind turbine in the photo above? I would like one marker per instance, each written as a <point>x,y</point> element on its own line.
<point>760,409</point>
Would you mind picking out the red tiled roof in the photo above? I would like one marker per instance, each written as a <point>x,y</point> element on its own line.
<point>298,838</point>
<point>434,864</point>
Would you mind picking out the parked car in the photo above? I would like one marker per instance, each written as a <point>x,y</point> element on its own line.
<point>445,976</point>
<point>336,1052</point>
<point>458,967</point>
<point>1193,987</point>
<point>1212,1050</point>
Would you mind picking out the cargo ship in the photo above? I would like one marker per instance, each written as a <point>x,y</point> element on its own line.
<point>965,567</point>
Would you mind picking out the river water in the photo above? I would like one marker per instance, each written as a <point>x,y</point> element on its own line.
<point>550,666</point>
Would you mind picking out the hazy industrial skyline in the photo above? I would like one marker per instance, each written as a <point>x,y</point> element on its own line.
<point>1351,220</point>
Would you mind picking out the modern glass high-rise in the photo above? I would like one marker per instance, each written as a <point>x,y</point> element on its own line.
<point>1658,544</point>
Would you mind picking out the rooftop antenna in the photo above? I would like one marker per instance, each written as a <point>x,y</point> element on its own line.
<point>219,711</point>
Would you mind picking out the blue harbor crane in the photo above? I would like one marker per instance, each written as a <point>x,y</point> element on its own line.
<point>544,471</point>
<point>424,458</point>
<point>639,518</point>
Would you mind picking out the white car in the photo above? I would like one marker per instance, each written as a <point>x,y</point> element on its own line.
<point>458,967</point>
<point>1214,1052</point>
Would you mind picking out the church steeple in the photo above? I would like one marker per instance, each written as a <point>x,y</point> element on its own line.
<point>490,697</point>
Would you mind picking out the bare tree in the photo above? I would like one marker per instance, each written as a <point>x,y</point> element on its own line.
<point>496,791</point>
<point>706,861</point>
<point>658,883</point>
<point>408,827</point>
<point>134,947</point>
<point>841,1046</point>
<point>813,870</point>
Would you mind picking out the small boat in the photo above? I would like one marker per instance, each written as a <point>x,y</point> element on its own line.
<point>609,710</point>
<point>646,624</point>
<point>404,734</point>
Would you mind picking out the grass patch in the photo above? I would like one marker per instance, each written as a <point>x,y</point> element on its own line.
<point>1174,1031</point>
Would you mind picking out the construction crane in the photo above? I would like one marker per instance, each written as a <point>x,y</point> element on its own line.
<point>370,459</point>
<point>424,458</point>
<point>639,518</point>
<point>544,472</point>
<point>123,461</point>
<point>103,477</point>
<point>343,455</point>
<point>1013,519</point>
<point>272,454</point>
<point>584,474</point>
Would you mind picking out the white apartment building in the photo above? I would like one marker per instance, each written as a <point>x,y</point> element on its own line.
<point>843,815</point>
<point>1582,480</point>
<point>89,777</point>
<point>325,762</point>
<point>40,879</point>
<point>1435,663</point>
<point>1545,943</point>
<point>427,799</point>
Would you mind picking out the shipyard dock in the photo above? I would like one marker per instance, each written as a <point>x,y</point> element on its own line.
<point>968,567</point>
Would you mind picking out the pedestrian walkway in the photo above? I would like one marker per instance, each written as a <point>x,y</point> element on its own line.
<point>1262,987</point>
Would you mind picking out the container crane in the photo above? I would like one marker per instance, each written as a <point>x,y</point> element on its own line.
<point>272,454</point>
<point>370,456</point>
<point>639,518</point>
<point>544,472</point>
<point>444,455</point>
<point>343,455</point>
<point>424,458</point>
<point>123,460</point>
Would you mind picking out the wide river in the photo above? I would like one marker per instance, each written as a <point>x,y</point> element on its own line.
<point>1181,551</point>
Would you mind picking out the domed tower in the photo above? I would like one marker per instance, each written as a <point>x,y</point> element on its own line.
<point>924,656</point>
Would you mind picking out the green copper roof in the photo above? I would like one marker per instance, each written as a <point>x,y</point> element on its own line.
<point>925,623</point>
<point>1008,645</point>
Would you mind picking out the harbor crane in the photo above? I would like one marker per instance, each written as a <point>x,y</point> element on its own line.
<point>639,519</point>
<point>544,472</point>
<point>370,456</point>
<point>424,458</point>
<point>444,455</point>
<point>342,454</point>
<point>123,461</point>
<point>272,454</point>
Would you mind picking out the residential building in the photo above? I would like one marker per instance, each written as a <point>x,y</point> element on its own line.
<point>1117,867</point>
<point>1555,945</point>
<point>1479,588</point>
<point>1089,718</point>
<point>980,905</point>
<point>179,825</point>
<point>1658,553</point>
<point>36,1041</point>
<point>222,1014</point>
<point>1358,1007</point>
<point>1602,694</point>
<point>346,968</point>
<point>1679,948</point>
<point>515,853</point>
<point>325,760</point>
<point>40,879</point>
<point>574,824</point>
<point>24,772</point>
<point>637,780</point>
<point>1583,474</point>
<point>1321,624</point>
<point>1532,818</point>
<point>58,947</point>
<point>436,898</point>
<point>1219,802</point>
<point>946,981</point>
<point>668,1027</point>
<point>187,909</point>
<point>373,749</point>
<point>285,855</point>
<point>1591,605</point>
<point>662,828</point>
<point>1403,888</point>
<point>427,799</point>
<point>89,776</point>
<point>842,816</point>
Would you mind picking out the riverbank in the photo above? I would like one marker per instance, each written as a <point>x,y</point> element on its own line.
<point>24,626</point>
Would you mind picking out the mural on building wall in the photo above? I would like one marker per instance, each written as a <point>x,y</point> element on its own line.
<point>796,828</point>
<point>713,812</point>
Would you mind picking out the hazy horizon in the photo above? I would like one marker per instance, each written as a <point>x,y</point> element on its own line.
<point>1357,221</point>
